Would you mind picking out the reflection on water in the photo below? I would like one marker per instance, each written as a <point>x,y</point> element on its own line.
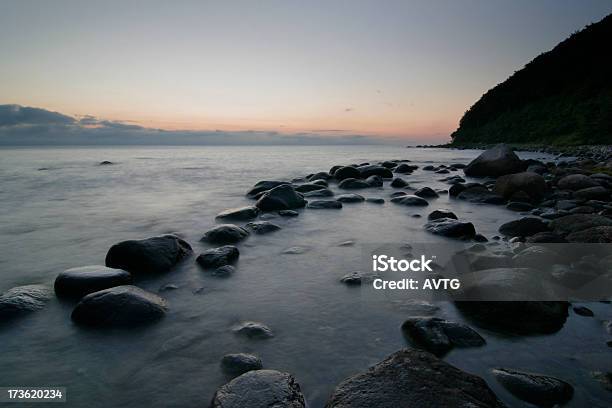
<point>71,213</point>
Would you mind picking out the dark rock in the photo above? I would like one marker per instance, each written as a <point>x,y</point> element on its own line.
<point>260,389</point>
<point>480,194</point>
<point>405,168</point>
<point>545,237</point>
<point>389,164</point>
<point>497,161</point>
<point>456,189</point>
<point>436,214</point>
<point>413,378</point>
<point>78,282</point>
<point>578,222</point>
<point>283,197</point>
<point>324,192</point>
<point>480,238</point>
<point>583,311</point>
<point>333,170</point>
<point>225,234</point>
<point>531,183</point>
<point>322,175</point>
<point>357,278</point>
<point>223,271</point>
<point>288,213</point>
<point>240,363</point>
<point>592,235</point>
<point>350,198</point>
<point>523,227</point>
<point>239,214</point>
<point>410,200</point>
<point>536,389</point>
<point>442,171</point>
<point>262,227</point>
<point>217,257</point>
<point>324,205</point>
<point>576,182</point>
<point>106,163</point>
<point>426,192</point>
<point>592,193</point>
<point>398,183</point>
<point>21,300</point>
<point>353,184</point>
<point>374,170</point>
<point>374,181</point>
<point>375,200</point>
<point>519,206</point>
<point>148,256</point>
<point>263,186</point>
<point>536,256</point>
<point>450,227</point>
<point>439,336</point>
<point>582,209</point>
<point>119,306</point>
<point>253,330</point>
<point>304,188</point>
<point>347,172</point>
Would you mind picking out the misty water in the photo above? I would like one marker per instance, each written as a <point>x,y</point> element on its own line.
<point>60,209</point>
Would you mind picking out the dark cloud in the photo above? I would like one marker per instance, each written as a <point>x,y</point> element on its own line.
<point>15,115</point>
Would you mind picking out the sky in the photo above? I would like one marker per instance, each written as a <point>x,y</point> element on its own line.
<point>405,70</point>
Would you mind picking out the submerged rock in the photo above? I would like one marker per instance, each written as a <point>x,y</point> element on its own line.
<point>119,306</point>
<point>262,227</point>
<point>225,234</point>
<point>439,336</point>
<point>398,183</point>
<point>413,378</point>
<point>374,181</point>
<point>450,227</point>
<point>260,389</point>
<point>217,257</point>
<point>540,390</point>
<point>240,363</point>
<point>350,198</point>
<point>324,205</point>
<point>324,192</point>
<point>375,200</point>
<point>78,282</point>
<point>305,188</point>
<point>239,214</point>
<point>148,256</point>
<point>22,300</point>
<point>410,200</point>
<point>426,192</point>
<point>494,162</point>
<point>353,184</point>
<point>440,213</point>
<point>253,330</point>
<point>479,194</point>
<point>346,172</point>
<point>288,213</point>
<point>266,185</point>
<point>283,197</point>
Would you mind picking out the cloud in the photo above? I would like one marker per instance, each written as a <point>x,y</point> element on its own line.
<point>349,110</point>
<point>24,126</point>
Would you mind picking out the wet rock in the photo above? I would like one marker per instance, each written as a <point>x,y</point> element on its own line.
<point>442,171</point>
<point>217,257</point>
<point>436,214</point>
<point>530,183</point>
<point>452,228</point>
<point>305,188</point>
<point>519,206</point>
<point>148,256</point>
<point>540,390</point>
<point>283,197</point>
<point>426,192</point>
<point>324,205</point>
<point>322,175</point>
<point>456,189</point>
<point>105,163</point>
<point>119,306</point>
<point>260,389</point>
<point>350,198</point>
<point>223,271</point>
<point>353,184</point>
<point>583,311</point>
<point>22,300</point>
<point>262,227</point>
<point>240,363</point>
<point>439,336</point>
<point>263,186</point>
<point>375,200</point>
<point>324,192</point>
<point>374,170</point>
<point>410,200</point>
<point>598,235</point>
<point>225,234</point>
<point>405,168</point>
<point>347,172</point>
<point>239,214</point>
<point>374,181</point>
<point>78,282</point>
<point>578,222</point>
<point>582,209</point>
<point>357,278</point>
<point>295,250</point>
<point>535,257</point>
<point>288,213</point>
<point>576,182</point>
<point>253,330</point>
<point>413,378</point>
<point>497,161</point>
<point>523,227</point>
<point>479,194</point>
<point>545,237</point>
<point>592,193</point>
<point>398,182</point>
<point>605,379</point>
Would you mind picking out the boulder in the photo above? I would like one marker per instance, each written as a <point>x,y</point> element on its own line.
<point>78,282</point>
<point>225,234</point>
<point>324,192</point>
<point>148,256</point>
<point>374,181</point>
<point>398,182</point>
<point>253,330</point>
<point>240,363</point>
<point>324,205</point>
<point>410,200</point>
<point>436,214</point>
<point>426,192</point>
<point>456,189</point>
<point>262,227</point>
<point>322,175</point>
<point>239,214</point>
<point>305,188</point>
<point>223,271</point>
<point>536,256</point>
<point>537,389</point>
<point>374,170</point>
<point>353,184</point>
<point>531,183</point>
<point>598,235</point>
<point>592,193</point>
<point>405,168</point>
<point>519,206</point>
<point>22,300</point>
<point>523,227</point>
<point>266,185</point>
<point>283,197</point>
<point>119,306</point>
<point>217,257</point>
<point>576,182</point>
<point>479,194</point>
<point>260,389</point>
<point>578,222</point>
<point>494,162</point>
<point>350,198</point>
<point>438,336</point>
<point>450,227</point>
<point>545,237</point>
<point>375,200</point>
<point>347,172</point>
<point>288,213</point>
<point>413,378</point>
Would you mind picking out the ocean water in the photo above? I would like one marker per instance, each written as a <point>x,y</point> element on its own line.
<point>60,209</point>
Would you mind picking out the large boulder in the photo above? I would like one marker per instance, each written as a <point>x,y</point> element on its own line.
<point>218,257</point>
<point>439,336</point>
<point>260,389</point>
<point>240,363</point>
<point>225,234</point>
<point>450,227</point>
<point>283,197</point>
<point>531,183</point>
<point>479,194</point>
<point>576,182</point>
<point>523,227</point>
<point>239,214</point>
<point>148,256</point>
<point>346,172</point>
<point>78,282</point>
<point>353,184</point>
<point>119,306</point>
<point>324,205</point>
<point>537,389</point>
<point>374,170</point>
<point>494,162</point>
<point>265,185</point>
<point>578,222</point>
<point>22,300</point>
<point>413,378</point>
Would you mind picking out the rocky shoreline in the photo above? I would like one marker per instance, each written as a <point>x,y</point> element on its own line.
<point>567,201</point>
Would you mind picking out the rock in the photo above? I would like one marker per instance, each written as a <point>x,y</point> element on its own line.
<point>21,300</point>
<point>494,162</point>
<point>253,330</point>
<point>583,311</point>
<point>405,168</point>
<point>225,234</point>
<point>305,188</point>
<point>456,189</point>
<point>148,256</point>
<point>240,363</point>
<point>531,183</point>
<point>262,186</point>
<point>389,164</point>
<point>398,182</point>
<point>375,200</point>
<point>605,379</point>
<point>442,171</point>
<point>217,257</point>
<point>78,282</point>
<point>353,184</point>
<point>239,214</point>
<point>374,181</point>
<point>436,214</point>
<point>283,197</point>
<point>223,271</point>
<point>523,227</point>
<point>410,200</point>
<point>426,192</point>
<point>439,336</point>
<point>119,306</point>
<point>429,168</point>
<point>535,257</point>
<point>295,250</point>
<point>288,213</point>
<point>519,206</point>
<point>357,278</point>
<point>324,205</point>
<point>450,227</point>
<point>260,389</point>
<point>374,170</point>
<point>479,194</point>
<point>582,209</point>
<point>322,175</point>
<point>536,389</point>
<point>545,237</point>
<point>576,182</point>
<point>592,235</point>
<point>578,222</point>
<point>105,163</point>
<point>262,227</point>
<point>347,172</point>
<point>480,238</point>
<point>324,192</point>
<point>592,193</point>
<point>350,198</point>
<point>413,378</point>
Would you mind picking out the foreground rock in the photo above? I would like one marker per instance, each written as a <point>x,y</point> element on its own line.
<point>540,390</point>
<point>439,336</point>
<point>119,306</point>
<point>240,363</point>
<point>324,205</point>
<point>225,234</point>
<point>497,161</point>
<point>410,200</point>
<point>218,257</point>
<point>262,186</point>
<point>437,214</point>
<point>22,300</point>
<point>262,227</point>
<point>239,214</point>
<point>148,256</point>
<point>452,228</point>
<point>530,183</point>
<point>413,378</point>
<point>283,197</point>
<point>523,227</point>
<point>78,282</point>
<point>479,194</point>
<point>350,198</point>
<point>253,330</point>
<point>353,184</point>
<point>260,389</point>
